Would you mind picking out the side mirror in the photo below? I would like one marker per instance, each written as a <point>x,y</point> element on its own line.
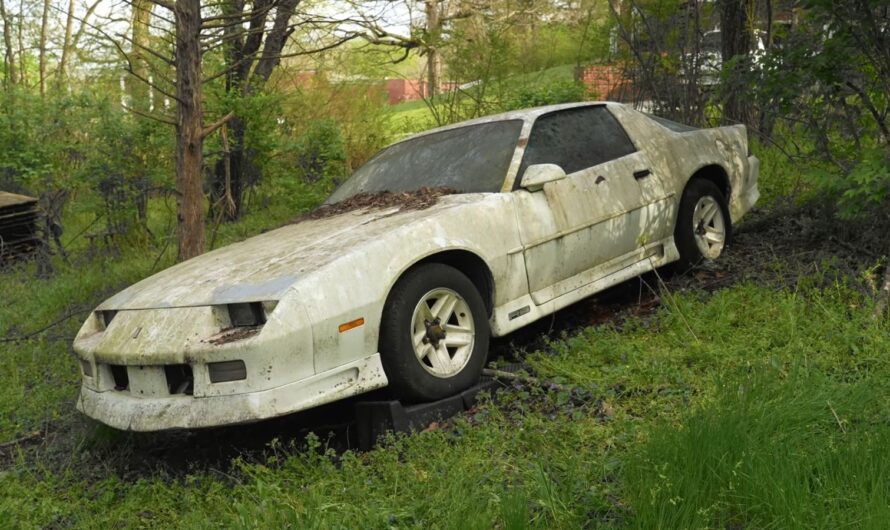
<point>537,175</point>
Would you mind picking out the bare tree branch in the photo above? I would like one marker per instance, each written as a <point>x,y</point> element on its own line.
<point>236,19</point>
<point>156,117</point>
<point>331,46</point>
<point>130,70</point>
<point>208,130</point>
<point>163,3</point>
<point>153,13</point>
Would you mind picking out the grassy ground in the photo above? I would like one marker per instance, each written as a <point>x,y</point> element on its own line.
<point>751,394</point>
<point>746,407</point>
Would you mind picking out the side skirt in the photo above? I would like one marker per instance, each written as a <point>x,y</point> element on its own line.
<point>517,313</point>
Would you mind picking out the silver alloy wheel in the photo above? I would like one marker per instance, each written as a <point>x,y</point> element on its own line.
<point>709,227</point>
<point>443,332</point>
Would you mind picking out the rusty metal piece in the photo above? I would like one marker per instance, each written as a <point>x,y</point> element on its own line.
<point>435,332</point>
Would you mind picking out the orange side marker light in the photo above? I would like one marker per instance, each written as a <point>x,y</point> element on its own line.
<point>352,324</point>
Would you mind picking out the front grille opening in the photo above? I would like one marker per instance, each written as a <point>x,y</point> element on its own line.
<point>121,379</point>
<point>225,371</point>
<point>180,379</point>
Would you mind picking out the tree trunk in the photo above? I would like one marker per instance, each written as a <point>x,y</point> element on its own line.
<point>139,93</point>
<point>62,72</point>
<point>434,30</point>
<point>189,129</point>
<point>229,178</point>
<point>7,42</point>
<point>237,170</point>
<point>41,52</point>
<point>735,44</point>
<point>71,47</point>
<point>140,96</point>
<point>225,203</point>
<point>275,41</point>
<point>23,70</point>
<point>883,294</point>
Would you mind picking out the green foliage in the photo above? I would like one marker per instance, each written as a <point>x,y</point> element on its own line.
<point>822,92</point>
<point>538,95</point>
<point>43,140</point>
<point>84,142</point>
<point>339,124</point>
<point>868,183</point>
<point>321,152</point>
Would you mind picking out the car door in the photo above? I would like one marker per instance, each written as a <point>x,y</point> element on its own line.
<point>580,228</point>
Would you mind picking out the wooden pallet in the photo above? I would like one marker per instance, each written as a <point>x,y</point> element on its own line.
<point>18,225</point>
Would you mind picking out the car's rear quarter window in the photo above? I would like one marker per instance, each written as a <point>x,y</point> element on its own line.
<point>672,125</point>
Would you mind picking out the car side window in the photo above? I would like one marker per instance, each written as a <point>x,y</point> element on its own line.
<point>576,139</point>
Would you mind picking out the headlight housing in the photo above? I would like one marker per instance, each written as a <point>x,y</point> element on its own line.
<point>250,314</point>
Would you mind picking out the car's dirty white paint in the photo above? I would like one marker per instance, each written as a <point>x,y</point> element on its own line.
<point>544,250</point>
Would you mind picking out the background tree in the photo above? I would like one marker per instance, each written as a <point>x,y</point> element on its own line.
<point>10,78</point>
<point>251,56</point>
<point>736,29</point>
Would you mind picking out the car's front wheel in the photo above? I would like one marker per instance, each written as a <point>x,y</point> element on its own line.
<point>703,225</point>
<point>434,333</point>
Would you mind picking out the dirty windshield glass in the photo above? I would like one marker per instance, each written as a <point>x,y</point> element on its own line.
<point>469,159</point>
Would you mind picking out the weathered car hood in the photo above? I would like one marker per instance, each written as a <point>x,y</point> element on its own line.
<point>265,266</point>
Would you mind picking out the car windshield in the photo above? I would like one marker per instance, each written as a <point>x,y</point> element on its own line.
<point>468,159</point>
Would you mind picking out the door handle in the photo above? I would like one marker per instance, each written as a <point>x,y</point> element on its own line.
<point>641,174</point>
<point>600,179</point>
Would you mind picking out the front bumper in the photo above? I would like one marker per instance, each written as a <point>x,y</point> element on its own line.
<point>122,410</point>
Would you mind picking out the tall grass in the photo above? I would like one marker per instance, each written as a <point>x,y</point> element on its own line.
<point>773,451</point>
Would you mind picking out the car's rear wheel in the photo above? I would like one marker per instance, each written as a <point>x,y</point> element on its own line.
<point>703,224</point>
<point>434,333</point>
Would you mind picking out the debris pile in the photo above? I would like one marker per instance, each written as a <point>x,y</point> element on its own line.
<point>18,225</point>
<point>408,200</point>
<point>233,334</point>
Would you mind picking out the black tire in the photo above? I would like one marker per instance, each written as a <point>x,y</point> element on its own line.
<point>408,379</point>
<point>685,232</point>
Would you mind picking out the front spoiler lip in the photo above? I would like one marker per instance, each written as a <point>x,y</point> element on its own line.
<point>128,413</point>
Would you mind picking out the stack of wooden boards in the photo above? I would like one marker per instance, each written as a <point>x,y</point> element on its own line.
<point>18,225</point>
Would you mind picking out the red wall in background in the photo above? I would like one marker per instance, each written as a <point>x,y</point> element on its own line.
<point>605,82</point>
<point>400,90</point>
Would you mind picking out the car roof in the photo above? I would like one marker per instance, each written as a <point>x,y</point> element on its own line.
<point>526,115</point>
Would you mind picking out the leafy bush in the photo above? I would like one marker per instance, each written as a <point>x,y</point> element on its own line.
<point>321,152</point>
<point>822,94</point>
<point>537,95</point>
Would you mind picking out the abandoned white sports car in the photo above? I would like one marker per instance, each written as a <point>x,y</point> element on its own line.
<point>535,209</point>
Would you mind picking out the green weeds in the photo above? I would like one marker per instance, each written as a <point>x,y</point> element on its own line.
<point>748,407</point>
